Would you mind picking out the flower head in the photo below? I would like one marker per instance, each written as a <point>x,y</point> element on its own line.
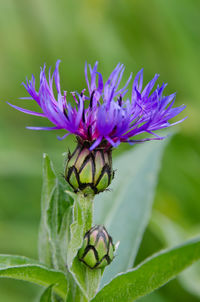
<point>105,116</point>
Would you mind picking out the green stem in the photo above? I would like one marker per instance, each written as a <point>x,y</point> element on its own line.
<point>92,277</point>
<point>87,279</point>
<point>86,204</point>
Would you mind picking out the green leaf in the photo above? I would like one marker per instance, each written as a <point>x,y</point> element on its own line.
<point>55,218</point>
<point>172,233</point>
<point>48,189</point>
<point>63,226</point>
<point>22,268</point>
<point>47,295</point>
<point>77,228</point>
<point>87,279</point>
<point>75,294</point>
<point>151,274</point>
<point>153,297</point>
<point>125,210</point>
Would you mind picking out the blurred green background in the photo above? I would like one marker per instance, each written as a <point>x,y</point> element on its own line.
<point>161,36</point>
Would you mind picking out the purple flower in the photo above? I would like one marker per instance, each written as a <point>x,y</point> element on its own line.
<point>106,116</point>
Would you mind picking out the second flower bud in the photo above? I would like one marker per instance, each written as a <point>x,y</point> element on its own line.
<point>98,249</point>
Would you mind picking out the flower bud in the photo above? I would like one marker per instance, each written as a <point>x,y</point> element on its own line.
<point>97,250</point>
<point>89,171</point>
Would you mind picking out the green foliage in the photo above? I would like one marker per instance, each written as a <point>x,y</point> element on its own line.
<point>151,274</point>
<point>77,228</point>
<point>171,234</point>
<point>61,214</point>
<point>125,210</point>
<point>55,219</point>
<point>65,219</point>
<point>22,268</point>
<point>47,294</point>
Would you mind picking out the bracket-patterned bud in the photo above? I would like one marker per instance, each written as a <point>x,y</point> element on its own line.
<point>97,250</point>
<point>89,171</point>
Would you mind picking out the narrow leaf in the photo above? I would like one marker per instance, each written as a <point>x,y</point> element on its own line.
<point>151,274</point>
<point>47,295</point>
<point>48,189</point>
<point>87,279</point>
<point>63,226</point>
<point>153,297</point>
<point>125,210</point>
<point>77,229</point>
<point>172,233</point>
<point>75,294</point>
<point>22,268</point>
<point>55,218</point>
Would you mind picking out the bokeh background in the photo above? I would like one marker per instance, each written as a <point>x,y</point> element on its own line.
<point>161,36</point>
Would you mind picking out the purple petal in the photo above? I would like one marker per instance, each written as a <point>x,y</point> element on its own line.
<point>117,68</point>
<point>179,121</point>
<point>149,86</point>
<point>57,76</point>
<point>120,77</point>
<point>93,77</point>
<point>63,137</point>
<point>167,100</point>
<point>86,77</point>
<point>114,144</point>
<point>80,112</point>
<point>96,143</point>
<point>26,110</point>
<point>137,86</point>
<point>136,141</point>
<point>43,128</point>
<point>100,82</point>
<point>122,90</point>
<point>26,98</point>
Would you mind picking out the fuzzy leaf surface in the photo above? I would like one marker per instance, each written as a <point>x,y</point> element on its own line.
<point>171,233</point>
<point>125,211</point>
<point>47,294</point>
<point>22,268</point>
<point>151,274</point>
<point>55,218</point>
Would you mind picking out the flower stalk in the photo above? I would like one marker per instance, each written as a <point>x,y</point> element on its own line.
<point>84,278</point>
<point>86,203</point>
